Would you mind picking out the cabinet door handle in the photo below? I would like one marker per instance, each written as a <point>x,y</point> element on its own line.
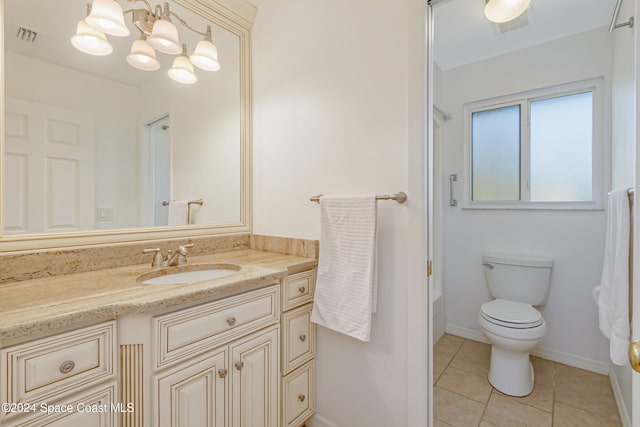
<point>303,337</point>
<point>302,289</point>
<point>301,397</point>
<point>239,366</point>
<point>222,373</point>
<point>67,366</point>
<point>231,321</point>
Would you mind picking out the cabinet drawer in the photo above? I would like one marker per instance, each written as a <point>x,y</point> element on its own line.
<point>298,397</point>
<point>299,343</point>
<point>46,368</point>
<point>298,289</point>
<point>191,331</point>
<point>93,408</point>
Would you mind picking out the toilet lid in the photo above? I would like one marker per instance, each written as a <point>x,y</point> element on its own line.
<point>511,314</point>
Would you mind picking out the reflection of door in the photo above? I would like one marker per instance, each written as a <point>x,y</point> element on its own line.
<point>49,164</point>
<point>160,149</point>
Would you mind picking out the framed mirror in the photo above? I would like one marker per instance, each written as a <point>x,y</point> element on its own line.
<point>98,149</point>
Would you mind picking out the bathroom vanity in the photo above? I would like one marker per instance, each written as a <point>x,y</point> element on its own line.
<point>101,349</point>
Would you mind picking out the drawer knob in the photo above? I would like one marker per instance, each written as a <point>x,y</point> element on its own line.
<point>231,321</point>
<point>303,337</point>
<point>302,289</point>
<point>222,373</point>
<point>239,366</point>
<point>67,366</point>
<point>301,397</point>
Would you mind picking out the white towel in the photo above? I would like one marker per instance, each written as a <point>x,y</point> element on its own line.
<point>345,293</point>
<point>178,213</point>
<point>613,293</point>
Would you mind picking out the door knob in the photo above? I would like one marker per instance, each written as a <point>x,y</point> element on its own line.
<point>634,355</point>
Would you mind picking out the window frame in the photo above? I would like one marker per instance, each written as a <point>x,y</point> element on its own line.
<point>600,151</point>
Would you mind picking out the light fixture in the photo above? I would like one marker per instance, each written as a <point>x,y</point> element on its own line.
<point>90,41</point>
<point>164,37</point>
<point>106,16</point>
<point>206,54</point>
<point>142,56</point>
<point>182,69</point>
<point>501,11</point>
<point>157,32</point>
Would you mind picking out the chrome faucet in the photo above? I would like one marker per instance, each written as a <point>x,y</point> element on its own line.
<point>178,257</point>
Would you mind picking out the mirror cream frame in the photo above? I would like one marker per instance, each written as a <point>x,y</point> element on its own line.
<point>236,16</point>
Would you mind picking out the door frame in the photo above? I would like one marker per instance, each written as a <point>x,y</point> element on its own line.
<point>419,371</point>
<point>635,322</point>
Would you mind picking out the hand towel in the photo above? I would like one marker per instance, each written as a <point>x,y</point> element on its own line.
<point>178,213</point>
<point>613,295</point>
<point>345,286</point>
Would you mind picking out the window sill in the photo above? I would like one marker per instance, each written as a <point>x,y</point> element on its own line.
<point>534,206</point>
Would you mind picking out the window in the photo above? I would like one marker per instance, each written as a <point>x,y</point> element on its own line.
<point>537,150</point>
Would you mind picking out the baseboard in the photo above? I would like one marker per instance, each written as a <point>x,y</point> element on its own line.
<point>468,333</point>
<point>318,421</point>
<point>544,353</point>
<point>617,393</point>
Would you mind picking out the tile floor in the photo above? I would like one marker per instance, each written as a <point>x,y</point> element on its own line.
<point>563,396</point>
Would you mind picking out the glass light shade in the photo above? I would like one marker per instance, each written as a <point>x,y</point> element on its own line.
<point>164,37</point>
<point>142,56</point>
<point>182,70</point>
<point>106,16</point>
<point>501,11</point>
<point>90,41</point>
<point>205,56</point>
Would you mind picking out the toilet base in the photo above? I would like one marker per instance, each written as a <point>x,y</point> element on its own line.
<point>511,372</point>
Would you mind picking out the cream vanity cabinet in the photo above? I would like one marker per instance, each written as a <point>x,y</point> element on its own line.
<point>67,379</point>
<point>298,349</point>
<point>221,362</point>
<point>242,361</point>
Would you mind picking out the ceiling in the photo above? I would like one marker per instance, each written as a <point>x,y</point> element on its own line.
<point>56,21</point>
<point>462,35</point>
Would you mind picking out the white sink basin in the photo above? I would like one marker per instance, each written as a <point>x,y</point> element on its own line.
<point>187,274</point>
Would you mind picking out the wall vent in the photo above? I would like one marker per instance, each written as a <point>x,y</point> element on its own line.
<point>26,34</point>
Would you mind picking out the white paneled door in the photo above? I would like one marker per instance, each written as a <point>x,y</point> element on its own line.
<point>49,163</point>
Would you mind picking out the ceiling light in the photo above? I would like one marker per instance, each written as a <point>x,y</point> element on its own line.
<point>90,41</point>
<point>164,37</point>
<point>156,31</point>
<point>182,70</point>
<point>500,11</point>
<point>142,56</point>
<point>106,16</point>
<point>206,54</point>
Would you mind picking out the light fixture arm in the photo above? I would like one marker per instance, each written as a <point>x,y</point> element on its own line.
<point>185,24</point>
<point>145,2</point>
<point>164,13</point>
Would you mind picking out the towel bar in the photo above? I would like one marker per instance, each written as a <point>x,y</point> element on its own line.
<point>399,197</point>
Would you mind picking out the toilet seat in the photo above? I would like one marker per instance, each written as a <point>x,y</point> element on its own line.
<point>511,314</point>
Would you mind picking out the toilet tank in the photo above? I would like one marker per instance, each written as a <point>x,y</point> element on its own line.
<point>521,278</point>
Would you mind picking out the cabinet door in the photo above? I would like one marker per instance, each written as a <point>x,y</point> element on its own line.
<point>254,383</point>
<point>193,394</point>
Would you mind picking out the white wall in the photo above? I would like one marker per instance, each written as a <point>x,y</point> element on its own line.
<point>574,239</point>
<point>114,108</point>
<point>205,134</point>
<point>331,115</point>
<point>623,140</point>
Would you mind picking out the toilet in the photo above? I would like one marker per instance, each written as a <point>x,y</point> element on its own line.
<point>510,322</point>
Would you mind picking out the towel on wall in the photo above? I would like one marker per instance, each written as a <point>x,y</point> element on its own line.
<point>613,292</point>
<point>178,213</point>
<point>345,295</point>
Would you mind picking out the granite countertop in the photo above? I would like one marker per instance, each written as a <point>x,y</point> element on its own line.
<point>48,305</point>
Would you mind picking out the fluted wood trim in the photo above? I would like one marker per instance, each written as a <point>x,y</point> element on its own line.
<point>131,384</point>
